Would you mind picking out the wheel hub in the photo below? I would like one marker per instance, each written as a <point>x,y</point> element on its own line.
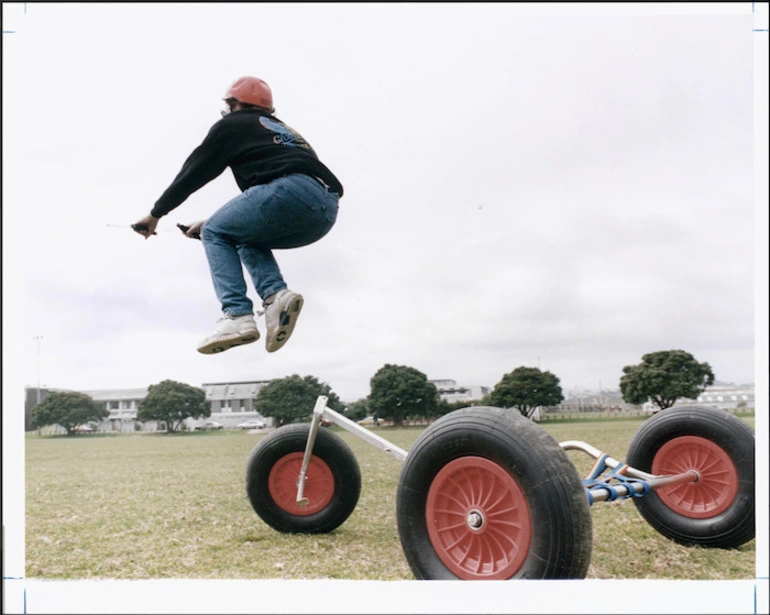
<point>716,486</point>
<point>475,520</point>
<point>283,483</point>
<point>478,519</point>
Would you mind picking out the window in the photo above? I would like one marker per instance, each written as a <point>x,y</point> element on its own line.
<point>113,405</point>
<point>226,405</point>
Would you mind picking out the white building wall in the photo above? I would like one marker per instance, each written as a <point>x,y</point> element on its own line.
<point>722,397</point>
<point>450,391</point>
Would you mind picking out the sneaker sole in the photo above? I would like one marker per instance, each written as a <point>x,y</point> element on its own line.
<point>225,344</point>
<point>287,319</point>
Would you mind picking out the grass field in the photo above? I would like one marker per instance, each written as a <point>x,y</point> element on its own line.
<point>174,506</point>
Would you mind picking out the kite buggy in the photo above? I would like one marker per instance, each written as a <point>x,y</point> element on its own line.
<point>485,493</point>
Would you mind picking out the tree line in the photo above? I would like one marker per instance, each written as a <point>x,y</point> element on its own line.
<point>398,393</point>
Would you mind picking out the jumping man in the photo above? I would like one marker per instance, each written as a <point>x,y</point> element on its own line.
<point>289,199</point>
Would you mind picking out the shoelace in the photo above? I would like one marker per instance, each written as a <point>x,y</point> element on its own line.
<point>258,314</point>
<point>264,305</point>
<point>226,317</point>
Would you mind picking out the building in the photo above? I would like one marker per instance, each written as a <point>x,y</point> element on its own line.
<point>728,397</point>
<point>231,403</point>
<point>232,397</point>
<point>449,391</point>
<point>580,400</point>
<point>32,397</point>
<point>123,405</point>
<point>722,396</point>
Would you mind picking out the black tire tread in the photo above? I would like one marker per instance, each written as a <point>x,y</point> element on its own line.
<point>542,469</point>
<point>733,527</point>
<point>329,447</point>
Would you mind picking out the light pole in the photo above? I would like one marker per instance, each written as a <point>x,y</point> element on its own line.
<point>37,339</point>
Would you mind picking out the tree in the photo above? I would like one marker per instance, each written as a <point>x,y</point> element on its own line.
<point>68,409</point>
<point>445,407</point>
<point>293,398</point>
<point>399,392</point>
<point>526,388</point>
<point>663,377</point>
<point>172,402</point>
<point>358,410</point>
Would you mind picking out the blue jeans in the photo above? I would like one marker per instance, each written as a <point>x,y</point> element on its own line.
<point>288,212</point>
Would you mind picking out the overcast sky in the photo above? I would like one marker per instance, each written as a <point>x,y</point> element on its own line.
<point>508,201</point>
<point>550,187</point>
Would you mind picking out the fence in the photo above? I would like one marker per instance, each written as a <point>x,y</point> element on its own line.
<point>615,414</point>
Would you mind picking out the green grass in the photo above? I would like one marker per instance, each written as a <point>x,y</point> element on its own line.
<point>156,506</point>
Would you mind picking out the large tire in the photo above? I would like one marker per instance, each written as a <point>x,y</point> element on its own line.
<point>487,494</point>
<point>718,509</point>
<point>332,485</point>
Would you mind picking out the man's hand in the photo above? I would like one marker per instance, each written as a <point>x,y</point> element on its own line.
<point>193,231</point>
<point>146,226</point>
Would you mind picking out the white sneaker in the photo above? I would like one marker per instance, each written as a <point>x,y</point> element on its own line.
<point>230,331</point>
<point>281,313</point>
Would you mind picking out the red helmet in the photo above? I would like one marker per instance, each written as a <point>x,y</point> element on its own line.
<point>253,91</point>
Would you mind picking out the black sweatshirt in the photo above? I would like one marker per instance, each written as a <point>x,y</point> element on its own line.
<point>258,147</point>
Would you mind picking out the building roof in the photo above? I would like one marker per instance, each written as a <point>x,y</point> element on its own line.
<point>214,391</point>
<point>443,382</point>
<point>233,390</point>
<point>208,384</point>
<point>116,394</point>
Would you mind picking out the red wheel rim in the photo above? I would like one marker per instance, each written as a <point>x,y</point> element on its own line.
<point>716,487</point>
<point>319,484</point>
<point>478,519</point>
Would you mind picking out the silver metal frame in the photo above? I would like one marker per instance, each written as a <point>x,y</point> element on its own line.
<point>623,489</point>
<point>321,412</point>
